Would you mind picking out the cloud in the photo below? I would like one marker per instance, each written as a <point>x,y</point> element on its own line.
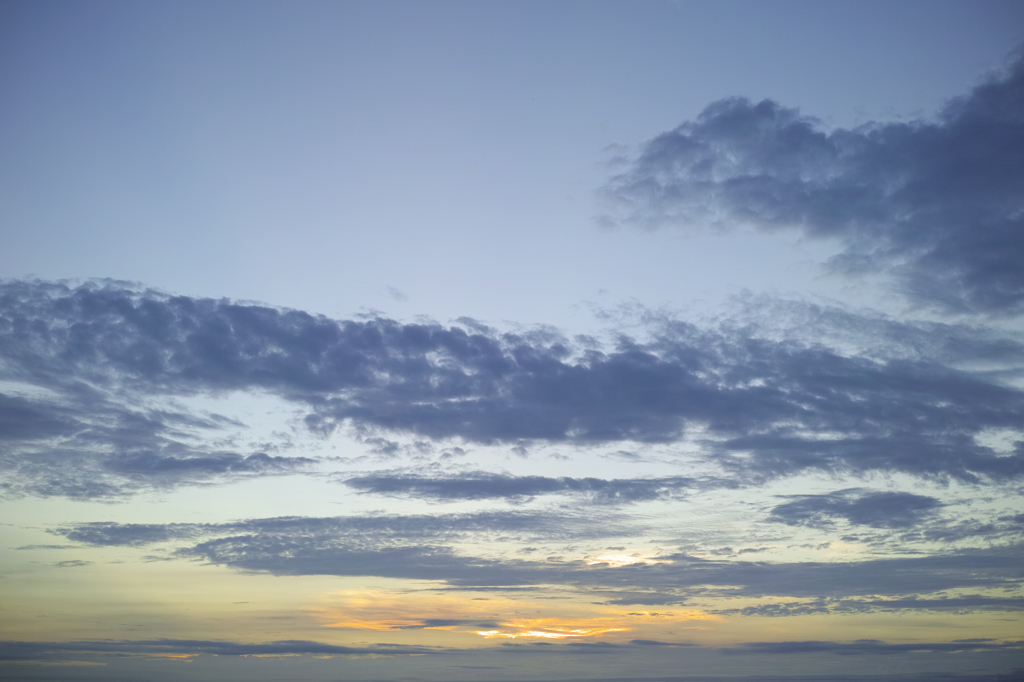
<point>962,604</point>
<point>128,534</point>
<point>939,204</point>
<point>19,651</point>
<point>857,506</point>
<point>482,485</point>
<point>423,548</point>
<point>873,646</point>
<point>103,361</point>
<point>397,294</point>
<point>364,531</point>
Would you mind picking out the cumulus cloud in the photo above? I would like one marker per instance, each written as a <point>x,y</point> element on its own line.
<point>98,356</point>
<point>937,203</point>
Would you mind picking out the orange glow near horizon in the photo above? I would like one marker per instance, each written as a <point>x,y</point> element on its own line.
<point>494,617</point>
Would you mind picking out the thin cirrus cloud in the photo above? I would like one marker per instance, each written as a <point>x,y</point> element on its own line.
<point>100,357</point>
<point>937,203</point>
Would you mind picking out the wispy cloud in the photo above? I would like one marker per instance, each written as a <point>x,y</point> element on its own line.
<point>481,485</point>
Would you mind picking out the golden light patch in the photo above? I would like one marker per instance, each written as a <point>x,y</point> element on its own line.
<point>381,611</point>
<point>547,628</point>
<point>495,617</point>
<point>619,560</point>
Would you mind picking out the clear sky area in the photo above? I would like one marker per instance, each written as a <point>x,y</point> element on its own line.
<point>512,341</point>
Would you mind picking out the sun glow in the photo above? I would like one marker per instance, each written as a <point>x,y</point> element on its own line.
<point>500,618</point>
<point>533,628</point>
<point>618,560</point>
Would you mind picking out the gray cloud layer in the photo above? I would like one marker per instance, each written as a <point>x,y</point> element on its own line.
<point>870,508</point>
<point>57,651</point>
<point>482,485</point>
<point>20,651</point>
<point>939,204</point>
<point>873,646</point>
<point>974,602</point>
<point>100,354</point>
<point>421,548</point>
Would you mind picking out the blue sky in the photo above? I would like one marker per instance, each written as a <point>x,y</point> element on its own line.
<point>511,341</point>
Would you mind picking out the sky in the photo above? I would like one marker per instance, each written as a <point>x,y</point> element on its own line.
<point>512,341</point>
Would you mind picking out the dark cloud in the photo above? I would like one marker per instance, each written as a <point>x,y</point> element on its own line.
<point>857,506</point>
<point>964,529</point>
<point>101,355</point>
<point>446,622</point>
<point>78,441</point>
<point>973,568</point>
<point>20,651</point>
<point>482,485</point>
<point>961,604</point>
<point>363,531</point>
<point>283,555</point>
<point>129,534</point>
<point>635,598</point>
<point>938,203</point>
<point>26,420</point>
<point>422,548</point>
<point>873,646</point>
<point>691,578</point>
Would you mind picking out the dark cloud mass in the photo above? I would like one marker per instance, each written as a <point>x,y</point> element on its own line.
<point>876,509</point>
<point>99,356</point>
<point>938,203</point>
